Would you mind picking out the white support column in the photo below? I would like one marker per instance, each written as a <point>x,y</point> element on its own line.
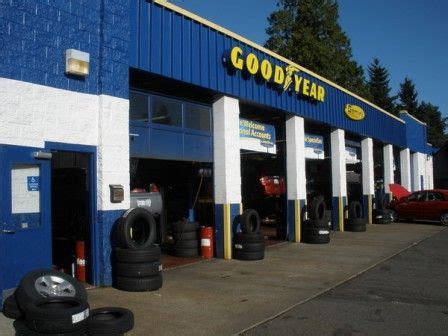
<point>418,171</point>
<point>227,171</point>
<point>405,168</point>
<point>339,178</point>
<point>430,172</point>
<point>367,176</point>
<point>295,175</point>
<point>388,153</point>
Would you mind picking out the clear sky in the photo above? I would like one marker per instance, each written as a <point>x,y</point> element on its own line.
<point>410,37</point>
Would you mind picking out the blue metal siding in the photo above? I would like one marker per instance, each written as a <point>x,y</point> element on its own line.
<point>197,59</point>
<point>416,135</point>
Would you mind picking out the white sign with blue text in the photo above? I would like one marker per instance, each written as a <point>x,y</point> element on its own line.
<point>33,183</point>
<point>257,137</point>
<point>314,146</point>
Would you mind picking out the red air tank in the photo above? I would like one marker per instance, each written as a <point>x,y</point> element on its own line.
<point>80,270</point>
<point>207,243</point>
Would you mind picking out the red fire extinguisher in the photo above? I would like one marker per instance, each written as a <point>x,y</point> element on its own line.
<point>207,243</point>
<point>80,270</point>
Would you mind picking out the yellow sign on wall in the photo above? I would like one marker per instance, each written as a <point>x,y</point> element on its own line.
<point>283,77</point>
<point>354,112</point>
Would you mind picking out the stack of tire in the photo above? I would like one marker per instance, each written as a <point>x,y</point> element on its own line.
<point>185,236</point>
<point>355,221</point>
<point>136,265</point>
<point>48,302</point>
<point>316,229</point>
<point>249,243</point>
<point>380,214</point>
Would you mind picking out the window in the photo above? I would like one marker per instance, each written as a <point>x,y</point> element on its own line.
<point>433,196</point>
<point>138,106</point>
<point>197,117</point>
<point>166,111</point>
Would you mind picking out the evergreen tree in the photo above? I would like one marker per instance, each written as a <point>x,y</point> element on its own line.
<point>379,86</point>
<point>408,97</point>
<point>308,33</point>
<point>436,124</point>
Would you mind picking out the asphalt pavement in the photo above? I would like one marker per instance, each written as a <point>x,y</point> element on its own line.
<point>405,295</point>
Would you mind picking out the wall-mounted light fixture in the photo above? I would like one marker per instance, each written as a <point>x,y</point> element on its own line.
<point>77,62</point>
<point>42,155</point>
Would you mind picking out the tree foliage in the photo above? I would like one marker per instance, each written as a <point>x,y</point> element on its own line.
<point>408,97</point>
<point>379,86</point>
<point>436,124</point>
<point>308,33</point>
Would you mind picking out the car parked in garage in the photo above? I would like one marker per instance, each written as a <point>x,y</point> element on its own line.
<point>422,205</point>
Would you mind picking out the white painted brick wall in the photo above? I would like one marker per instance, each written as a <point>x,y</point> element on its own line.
<point>32,114</point>
<point>338,168</point>
<point>226,151</point>
<point>430,172</point>
<point>388,153</point>
<point>295,158</point>
<point>405,168</point>
<point>367,166</point>
<point>419,169</point>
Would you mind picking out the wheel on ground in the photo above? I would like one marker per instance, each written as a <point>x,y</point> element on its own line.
<point>137,284</point>
<point>249,247</point>
<point>137,270</point>
<point>136,229</point>
<point>316,239</point>
<point>355,225</point>
<point>143,255</point>
<point>11,309</point>
<point>240,255</point>
<point>382,216</point>
<point>22,329</point>
<point>444,219</point>
<point>110,321</point>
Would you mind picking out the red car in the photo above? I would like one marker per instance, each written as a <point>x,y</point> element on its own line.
<point>422,205</point>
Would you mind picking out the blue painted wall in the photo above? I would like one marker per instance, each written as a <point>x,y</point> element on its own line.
<point>416,135</point>
<point>36,33</point>
<point>168,44</point>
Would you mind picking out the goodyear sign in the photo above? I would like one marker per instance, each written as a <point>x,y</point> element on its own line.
<point>314,146</point>
<point>286,78</point>
<point>354,112</point>
<point>257,137</point>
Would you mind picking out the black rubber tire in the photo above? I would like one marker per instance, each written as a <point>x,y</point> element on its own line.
<point>137,270</point>
<point>26,292</point>
<point>314,223</point>
<point>386,216</point>
<point>56,314</point>
<point>11,308</point>
<point>316,239</point>
<point>186,252</point>
<point>248,238</point>
<point>355,225</point>
<point>192,235</point>
<point>240,255</point>
<point>137,256</point>
<point>379,202</point>
<point>313,231</point>
<point>355,210</point>
<point>317,209</point>
<point>137,284</point>
<point>186,244</point>
<point>110,321</point>
<point>127,223</point>
<point>22,330</point>
<point>184,225</point>
<point>249,247</point>
<point>250,221</point>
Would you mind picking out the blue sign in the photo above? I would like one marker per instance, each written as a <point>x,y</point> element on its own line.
<point>314,141</point>
<point>257,137</point>
<point>33,183</point>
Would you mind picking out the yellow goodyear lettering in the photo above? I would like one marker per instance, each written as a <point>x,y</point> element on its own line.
<point>313,91</point>
<point>320,93</point>
<point>266,70</point>
<point>354,112</point>
<point>306,87</point>
<point>279,75</point>
<point>252,64</point>
<point>235,58</point>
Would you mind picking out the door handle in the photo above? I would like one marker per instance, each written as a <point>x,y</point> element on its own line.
<point>8,231</point>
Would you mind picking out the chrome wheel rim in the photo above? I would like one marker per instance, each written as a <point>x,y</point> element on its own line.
<point>50,286</point>
<point>393,216</point>
<point>444,219</point>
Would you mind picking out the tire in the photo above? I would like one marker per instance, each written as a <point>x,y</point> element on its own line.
<point>317,209</point>
<point>186,252</point>
<point>316,239</point>
<point>316,231</point>
<point>239,255</point>
<point>137,284</point>
<point>355,225</point>
<point>186,244</point>
<point>110,321</point>
<point>11,308</point>
<point>313,223</point>
<point>42,283</point>
<point>444,219</point>
<point>382,216</point>
<point>22,330</point>
<point>248,238</point>
<point>250,221</point>
<point>140,222</point>
<point>184,226</point>
<point>379,202</point>
<point>137,270</point>
<point>129,256</point>
<point>355,210</point>
<point>249,247</point>
<point>192,235</point>
<point>57,315</point>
